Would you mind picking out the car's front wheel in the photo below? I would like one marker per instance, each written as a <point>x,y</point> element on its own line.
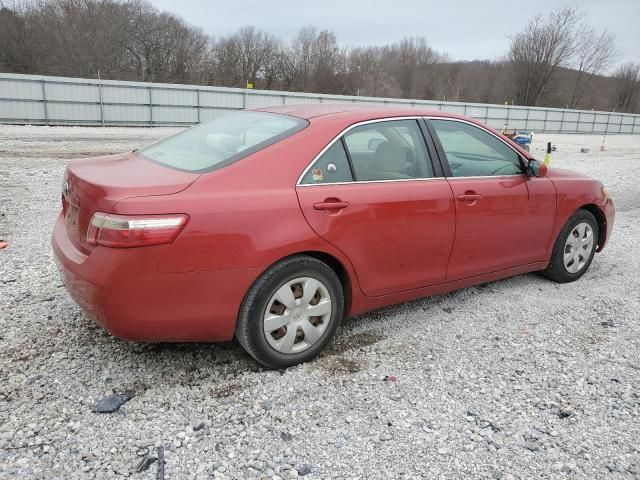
<point>574,248</point>
<point>291,312</point>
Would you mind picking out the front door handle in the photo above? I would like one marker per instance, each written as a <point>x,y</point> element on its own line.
<point>330,205</point>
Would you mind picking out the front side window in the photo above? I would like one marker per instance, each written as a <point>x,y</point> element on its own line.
<point>473,152</point>
<point>222,141</point>
<point>388,150</point>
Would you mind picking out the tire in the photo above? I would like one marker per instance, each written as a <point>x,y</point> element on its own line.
<point>558,270</point>
<point>300,276</point>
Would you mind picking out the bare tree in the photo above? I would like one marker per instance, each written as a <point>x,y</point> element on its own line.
<point>410,61</point>
<point>557,60</point>
<point>368,76</point>
<point>627,87</point>
<point>540,50</point>
<point>302,58</point>
<point>450,80</point>
<point>16,46</point>
<point>79,36</point>
<point>245,56</point>
<point>594,54</point>
<point>162,47</point>
<point>314,61</point>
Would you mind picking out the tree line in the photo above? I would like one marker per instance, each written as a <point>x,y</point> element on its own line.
<point>558,60</point>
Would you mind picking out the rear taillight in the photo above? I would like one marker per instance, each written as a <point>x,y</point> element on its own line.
<point>125,231</point>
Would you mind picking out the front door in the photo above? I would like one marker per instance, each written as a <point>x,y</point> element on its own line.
<point>373,195</point>
<point>499,223</point>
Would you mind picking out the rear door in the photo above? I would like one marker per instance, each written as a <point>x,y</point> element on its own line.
<point>499,223</point>
<point>374,194</point>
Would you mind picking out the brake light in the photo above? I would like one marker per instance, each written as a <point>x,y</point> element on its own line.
<point>125,231</point>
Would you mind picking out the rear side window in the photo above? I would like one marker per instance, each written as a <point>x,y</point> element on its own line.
<point>331,167</point>
<point>473,152</point>
<point>388,150</point>
<point>222,141</point>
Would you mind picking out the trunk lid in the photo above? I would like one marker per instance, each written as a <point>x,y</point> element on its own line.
<point>97,184</point>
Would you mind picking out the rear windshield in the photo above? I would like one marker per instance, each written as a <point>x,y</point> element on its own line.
<point>222,141</point>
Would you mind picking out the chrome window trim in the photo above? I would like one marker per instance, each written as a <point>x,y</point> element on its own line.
<point>490,132</point>
<point>344,132</point>
<point>358,182</point>
<point>387,119</point>
<point>511,175</point>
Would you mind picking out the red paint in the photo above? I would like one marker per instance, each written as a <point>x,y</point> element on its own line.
<point>397,235</point>
<point>396,241</point>
<point>503,228</point>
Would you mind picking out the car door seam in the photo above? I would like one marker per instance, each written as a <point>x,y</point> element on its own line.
<point>355,272</point>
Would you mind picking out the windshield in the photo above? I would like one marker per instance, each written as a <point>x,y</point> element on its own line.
<point>222,141</point>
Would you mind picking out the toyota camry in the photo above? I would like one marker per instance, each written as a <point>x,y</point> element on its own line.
<point>272,225</point>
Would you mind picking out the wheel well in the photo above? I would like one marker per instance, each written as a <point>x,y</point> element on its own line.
<point>600,218</point>
<point>341,272</point>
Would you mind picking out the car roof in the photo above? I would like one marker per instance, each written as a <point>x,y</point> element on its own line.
<point>357,111</point>
<point>341,115</point>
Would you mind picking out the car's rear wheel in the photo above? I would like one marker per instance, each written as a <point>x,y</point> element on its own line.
<point>291,312</point>
<point>574,248</point>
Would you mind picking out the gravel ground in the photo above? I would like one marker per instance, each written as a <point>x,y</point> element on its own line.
<point>521,378</point>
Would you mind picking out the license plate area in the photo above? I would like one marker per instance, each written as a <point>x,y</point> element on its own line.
<point>71,217</point>
<point>71,220</point>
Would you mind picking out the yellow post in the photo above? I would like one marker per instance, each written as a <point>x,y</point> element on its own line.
<point>547,156</point>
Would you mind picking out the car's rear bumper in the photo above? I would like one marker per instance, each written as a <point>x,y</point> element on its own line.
<point>124,292</point>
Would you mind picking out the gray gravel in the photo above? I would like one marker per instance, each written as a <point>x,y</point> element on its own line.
<point>521,378</point>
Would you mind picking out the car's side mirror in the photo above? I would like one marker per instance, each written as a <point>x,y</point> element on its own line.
<point>536,168</point>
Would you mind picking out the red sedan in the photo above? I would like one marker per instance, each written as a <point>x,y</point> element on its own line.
<point>272,225</point>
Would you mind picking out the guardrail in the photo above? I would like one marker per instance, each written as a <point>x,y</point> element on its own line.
<point>43,100</point>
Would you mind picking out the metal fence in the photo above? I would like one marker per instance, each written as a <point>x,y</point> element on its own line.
<point>32,99</point>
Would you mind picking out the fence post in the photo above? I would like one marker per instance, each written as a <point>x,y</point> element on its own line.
<point>101,101</point>
<point>562,121</point>
<point>578,124</point>
<point>546,115</point>
<point>526,120</point>
<point>244,99</point>
<point>44,102</point>
<point>198,104</point>
<point>150,108</point>
<point>620,124</point>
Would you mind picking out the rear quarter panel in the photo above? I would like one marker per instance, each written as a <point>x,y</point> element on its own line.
<point>245,216</point>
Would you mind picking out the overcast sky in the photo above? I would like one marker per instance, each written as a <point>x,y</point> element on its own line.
<point>466,30</point>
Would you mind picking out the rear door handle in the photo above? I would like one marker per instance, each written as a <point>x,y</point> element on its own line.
<point>335,205</point>
<point>469,197</point>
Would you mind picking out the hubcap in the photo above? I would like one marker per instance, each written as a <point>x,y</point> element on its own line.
<point>578,248</point>
<point>297,315</point>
